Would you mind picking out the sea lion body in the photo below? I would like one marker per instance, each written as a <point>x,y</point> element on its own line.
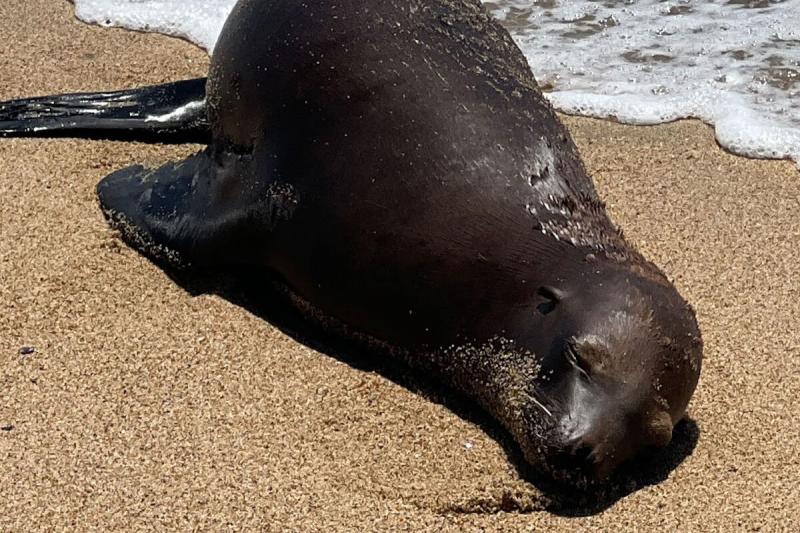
<point>408,133</point>
<point>396,166</point>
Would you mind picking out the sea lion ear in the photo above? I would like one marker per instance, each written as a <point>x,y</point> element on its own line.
<point>551,293</point>
<point>552,296</point>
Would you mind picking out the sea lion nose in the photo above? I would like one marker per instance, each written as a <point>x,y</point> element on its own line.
<point>583,461</point>
<point>600,447</point>
<point>593,460</point>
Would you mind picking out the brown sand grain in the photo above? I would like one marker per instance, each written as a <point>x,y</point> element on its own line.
<point>144,407</point>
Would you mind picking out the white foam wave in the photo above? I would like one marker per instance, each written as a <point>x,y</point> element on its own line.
<point>734,64</point>
<point>198,21</point>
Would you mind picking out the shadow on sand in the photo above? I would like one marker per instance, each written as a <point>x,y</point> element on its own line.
<point>251,291</point>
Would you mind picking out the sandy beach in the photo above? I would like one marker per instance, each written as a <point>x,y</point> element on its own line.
<point>146,407</point>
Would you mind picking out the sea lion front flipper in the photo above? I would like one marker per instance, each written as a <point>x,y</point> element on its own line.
<point>152,208</point>
<point>188,213</point>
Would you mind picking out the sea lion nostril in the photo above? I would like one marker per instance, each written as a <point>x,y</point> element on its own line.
<point>576,459</point>
<point>581,459</point>
<point>583,455</point>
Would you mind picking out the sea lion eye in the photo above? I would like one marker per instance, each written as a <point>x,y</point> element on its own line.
<point>577,360</point>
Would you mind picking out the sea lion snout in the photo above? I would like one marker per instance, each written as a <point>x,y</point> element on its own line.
<point>601,427</point>
<point>610,401</point>
<point>617,374</point>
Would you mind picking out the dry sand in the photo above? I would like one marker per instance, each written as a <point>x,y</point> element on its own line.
<point>144,407</point>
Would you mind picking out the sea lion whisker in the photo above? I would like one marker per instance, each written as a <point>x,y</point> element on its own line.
<point>541,406</point>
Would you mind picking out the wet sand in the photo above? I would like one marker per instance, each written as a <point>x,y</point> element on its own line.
<point>147,407</point>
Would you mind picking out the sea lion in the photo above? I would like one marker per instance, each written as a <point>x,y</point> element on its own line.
<point>395,165</point>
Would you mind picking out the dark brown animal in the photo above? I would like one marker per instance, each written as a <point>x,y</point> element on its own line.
<point>394,163</point>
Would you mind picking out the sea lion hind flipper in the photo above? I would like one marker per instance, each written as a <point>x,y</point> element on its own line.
<point>159,211</point>
<point>169,113</point>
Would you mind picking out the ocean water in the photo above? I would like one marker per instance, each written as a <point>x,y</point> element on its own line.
<point>735,64</point>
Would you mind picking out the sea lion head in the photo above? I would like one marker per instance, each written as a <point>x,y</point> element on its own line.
<point>617,376</point>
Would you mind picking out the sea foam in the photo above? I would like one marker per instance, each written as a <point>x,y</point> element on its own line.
<point>198,21</point>
<point>735,64</point>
